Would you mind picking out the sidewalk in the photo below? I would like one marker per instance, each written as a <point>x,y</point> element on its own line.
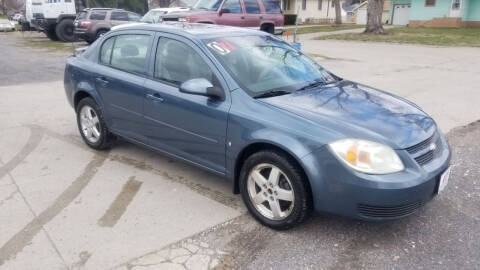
<point>312,36</point>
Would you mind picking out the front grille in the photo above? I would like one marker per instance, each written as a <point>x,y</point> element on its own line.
<point>388,211</point>
<point>422,152</point>
<point>170,19</point>
<point>38,15</point>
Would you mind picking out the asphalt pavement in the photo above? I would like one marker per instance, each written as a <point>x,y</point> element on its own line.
<point>64,206</point>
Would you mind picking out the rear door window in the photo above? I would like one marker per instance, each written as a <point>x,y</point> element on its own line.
<point>98,15</point>
<point>251,6</point>
<point>119,16</point>
<point>129,53</point>
<point>272,6</point>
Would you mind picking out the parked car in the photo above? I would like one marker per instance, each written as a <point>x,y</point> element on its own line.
<point>153,15</point>
<point>6,25</point>
<point>265,15</point>
<point>92,23</point>
<point>290,135</point>
<point>17,17</point>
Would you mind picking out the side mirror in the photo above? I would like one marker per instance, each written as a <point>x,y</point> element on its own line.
<point>224,10</point>
<point>202,87</point>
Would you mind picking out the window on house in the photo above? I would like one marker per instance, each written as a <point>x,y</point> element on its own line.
<point>430,3</point>
<point>304,4</point>
<point>456,4</point>
<point>286,4</point>
<point>320,4</point>
<point>333,3</point>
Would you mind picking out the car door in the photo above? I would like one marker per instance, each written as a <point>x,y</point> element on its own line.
<point>231,13</point>
<point>189,126</point>
<point>120,81</point>
<point>253,16</point>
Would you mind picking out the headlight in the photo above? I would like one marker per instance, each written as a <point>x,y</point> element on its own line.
<point>184,19</point>
<point>368,157</point>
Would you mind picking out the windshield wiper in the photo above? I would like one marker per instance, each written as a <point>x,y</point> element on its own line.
<point>272,93</point>
<point>311,85</point>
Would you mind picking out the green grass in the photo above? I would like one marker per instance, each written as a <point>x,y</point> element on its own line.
<point>44,43</point>
<point>420,35</point>
<point>322,28</point>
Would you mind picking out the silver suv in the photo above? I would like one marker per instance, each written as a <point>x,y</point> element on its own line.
<point>91,23</point>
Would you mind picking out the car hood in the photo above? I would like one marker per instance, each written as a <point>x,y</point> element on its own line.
<point>358,111</point>
<point>182,14</point>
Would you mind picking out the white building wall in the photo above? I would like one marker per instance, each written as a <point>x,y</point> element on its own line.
<point>311,12</point>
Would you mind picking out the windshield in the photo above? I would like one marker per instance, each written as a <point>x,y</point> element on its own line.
<point>211,5</point>
<point>152,16</point>
<point>263,64</point>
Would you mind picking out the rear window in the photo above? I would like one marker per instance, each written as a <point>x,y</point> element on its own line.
<point>272,6</point>
<point>98,15</point>
<point>82,15</point>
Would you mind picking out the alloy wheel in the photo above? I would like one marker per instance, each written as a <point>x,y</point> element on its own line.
<point>90,124</point>
<point>270,191</point>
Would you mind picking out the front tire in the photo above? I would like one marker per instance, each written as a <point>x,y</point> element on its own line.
<point>64,30</point>
<point>91,125</point>
<point>275,190</point>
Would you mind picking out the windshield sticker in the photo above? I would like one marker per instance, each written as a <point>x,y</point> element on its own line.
<point>222,47</point>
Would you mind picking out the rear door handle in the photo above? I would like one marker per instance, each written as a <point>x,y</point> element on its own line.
<point>243,17</point>
<point>102,80</point>
<point>155,97</point>
<point>261,17</point>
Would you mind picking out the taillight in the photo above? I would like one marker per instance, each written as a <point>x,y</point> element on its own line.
<point>85,24</point>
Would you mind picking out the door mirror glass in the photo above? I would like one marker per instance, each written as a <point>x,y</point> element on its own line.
<point>201,87</point>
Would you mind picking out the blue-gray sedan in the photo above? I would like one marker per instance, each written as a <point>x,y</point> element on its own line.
<point>291,136</point>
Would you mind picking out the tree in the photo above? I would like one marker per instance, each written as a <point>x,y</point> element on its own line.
<point>338,12</point>
<point>374,17</point>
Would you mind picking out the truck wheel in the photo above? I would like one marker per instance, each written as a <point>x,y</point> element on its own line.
<point>100,33</point>
<point>50,33</point>
<point>269,28</point>
<point>64,30</point>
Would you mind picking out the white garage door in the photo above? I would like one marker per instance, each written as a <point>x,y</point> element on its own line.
<point>401,14</point>
<point>362,16</point>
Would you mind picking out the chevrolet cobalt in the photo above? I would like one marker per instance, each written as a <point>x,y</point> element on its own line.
<point>291,136</point>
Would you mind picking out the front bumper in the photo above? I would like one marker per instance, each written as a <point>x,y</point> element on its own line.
<point>340,190</point>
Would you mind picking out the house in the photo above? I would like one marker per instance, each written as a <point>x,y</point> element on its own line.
<point>312,11</point>
<point>445,13</point>
<point>436,13</point>
<point>359,13</point>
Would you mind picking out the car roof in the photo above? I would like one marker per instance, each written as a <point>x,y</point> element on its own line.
<point>195,30</point>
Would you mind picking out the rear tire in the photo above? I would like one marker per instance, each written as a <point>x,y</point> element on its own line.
<point>100,33</point>
<point>51,34</point>
<point>64,30</point>
<point>269,28</point>
<point>92,126</point>
<point>283,199</point>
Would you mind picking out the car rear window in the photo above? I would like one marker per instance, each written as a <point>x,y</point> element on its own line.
<point>272,6</point>
<point>82,15</point>
<point>98,15</point>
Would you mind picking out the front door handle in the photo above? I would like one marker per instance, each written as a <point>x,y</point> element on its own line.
<point>261,17</point>
<point>155,97</point>
<point>243,17</point>
<point>102,80</point>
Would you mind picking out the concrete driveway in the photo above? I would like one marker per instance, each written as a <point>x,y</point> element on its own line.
<point>64,206</point>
